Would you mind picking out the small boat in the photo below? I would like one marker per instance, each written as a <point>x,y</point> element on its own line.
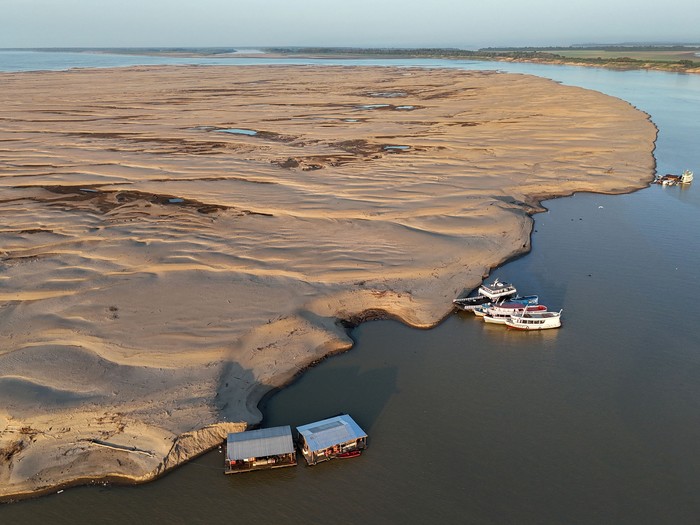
<point>349,454</point>
<point>535,320</point>
<point>500,314</point>
<point>686,177</point>
<point>482,310</point>
<point>525,299</point>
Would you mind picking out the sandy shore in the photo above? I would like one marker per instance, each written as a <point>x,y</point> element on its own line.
<point>158,277</point>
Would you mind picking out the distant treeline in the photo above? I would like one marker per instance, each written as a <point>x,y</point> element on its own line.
<point>613,48</point>
<point>540,54</point>
<point>428,52</point>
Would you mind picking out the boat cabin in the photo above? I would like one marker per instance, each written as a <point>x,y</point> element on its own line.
<point>497,290</point>
<point>265,448</point>
<point>335,437</point>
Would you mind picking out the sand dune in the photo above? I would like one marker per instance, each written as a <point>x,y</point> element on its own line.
<point>158,275</point>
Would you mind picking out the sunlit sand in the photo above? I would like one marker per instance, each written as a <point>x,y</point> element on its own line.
<point>158,276</point>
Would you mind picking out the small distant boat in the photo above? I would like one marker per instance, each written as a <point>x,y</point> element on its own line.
<point>535,320</point>
<point>671,180</point>
<point>500,314</point>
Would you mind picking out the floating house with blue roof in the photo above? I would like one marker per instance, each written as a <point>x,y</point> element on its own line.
<point>335,437</point>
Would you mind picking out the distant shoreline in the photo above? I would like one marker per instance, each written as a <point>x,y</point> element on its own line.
<point>686,58</point>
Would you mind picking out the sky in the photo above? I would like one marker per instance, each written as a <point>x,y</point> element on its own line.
<point>465,24</point>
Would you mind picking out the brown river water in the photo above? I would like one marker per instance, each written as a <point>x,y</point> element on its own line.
<point>473,423</point>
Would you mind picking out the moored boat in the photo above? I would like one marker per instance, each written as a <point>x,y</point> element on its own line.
<point>469,304</point>
<point>501,313</point>
<point>534,320</point>
<point>525,299</point>
<point>686,177</point>
<point>486,294</point>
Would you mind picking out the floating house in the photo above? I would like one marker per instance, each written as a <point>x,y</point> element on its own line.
<point>335,437</point>
<point>265,448</point>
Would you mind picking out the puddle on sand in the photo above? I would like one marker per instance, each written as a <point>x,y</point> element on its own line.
<point>237,131</point>
<point>388,94</point>
<point>373,106</point>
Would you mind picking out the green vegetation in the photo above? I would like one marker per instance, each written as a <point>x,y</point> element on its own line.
<point>668,58</point>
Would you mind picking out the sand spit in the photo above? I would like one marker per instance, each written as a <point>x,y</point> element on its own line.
<point>158,276</point>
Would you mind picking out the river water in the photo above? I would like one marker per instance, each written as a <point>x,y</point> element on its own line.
<point>470,423</point>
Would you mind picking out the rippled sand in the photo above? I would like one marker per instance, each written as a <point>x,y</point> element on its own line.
<point>158,276</point>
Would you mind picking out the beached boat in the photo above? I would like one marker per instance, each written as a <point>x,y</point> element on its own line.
<point>535,320</point>
<point>501,313</point>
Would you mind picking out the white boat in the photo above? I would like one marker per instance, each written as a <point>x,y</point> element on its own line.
<point>483,309</point>
<point>535,320</point>
<point>501,313</point>
<point>686,177</point>
<point>497,290</point>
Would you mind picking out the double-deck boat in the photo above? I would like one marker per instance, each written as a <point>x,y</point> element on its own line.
<point>486,294</point>
<point>497,290</point>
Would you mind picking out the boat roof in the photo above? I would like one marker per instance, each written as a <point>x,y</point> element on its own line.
<point>259,443</point>
<point>332,431</point>
<point>497,285</point>
<point>536,314</point>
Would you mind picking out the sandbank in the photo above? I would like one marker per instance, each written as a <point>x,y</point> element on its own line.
<point>159,275</point>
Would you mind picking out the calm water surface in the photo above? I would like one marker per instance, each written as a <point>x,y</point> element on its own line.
<point>472,423</point>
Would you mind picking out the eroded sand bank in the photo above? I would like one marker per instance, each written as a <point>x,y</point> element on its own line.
<point>158,276</point>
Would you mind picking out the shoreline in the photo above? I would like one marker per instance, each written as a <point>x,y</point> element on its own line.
<point>410,208</point>
<point>612,64</point>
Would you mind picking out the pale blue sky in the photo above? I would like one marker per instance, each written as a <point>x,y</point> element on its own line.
<point>398,23</point>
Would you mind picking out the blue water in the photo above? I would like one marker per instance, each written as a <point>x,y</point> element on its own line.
<point>595,423</point>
